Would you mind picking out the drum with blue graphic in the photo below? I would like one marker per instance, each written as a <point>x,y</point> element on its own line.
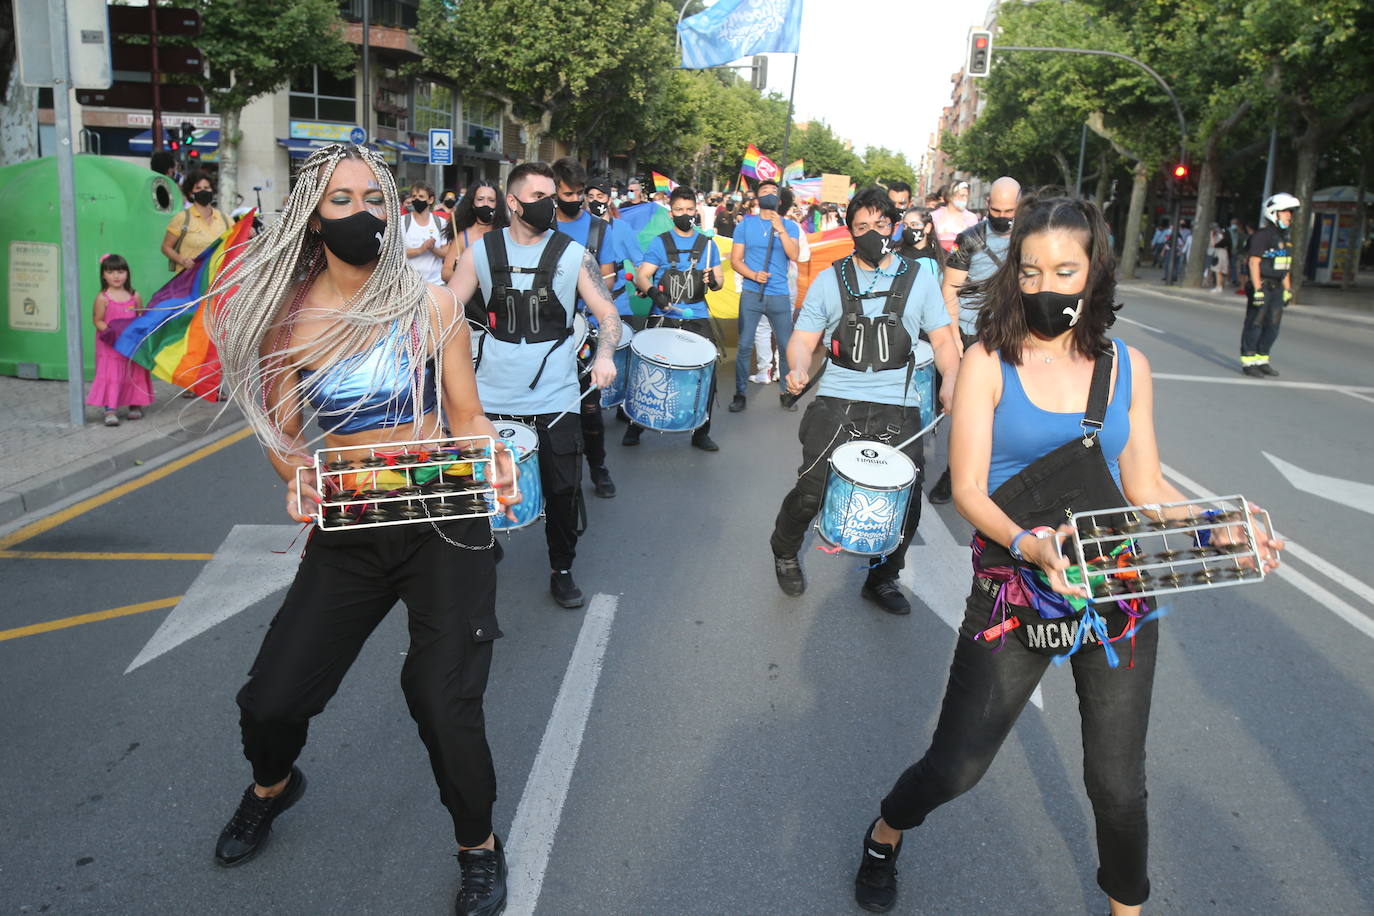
<point>613,395</point>
<point>866,499</point>
<point>923,380</point>
<point>523,443</point>
<point>669,387</point>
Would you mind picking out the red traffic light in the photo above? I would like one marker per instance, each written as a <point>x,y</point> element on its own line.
<point>1180,171</point>
<point>174,145</point>
<point>193,154</point>
<point>980,42</point>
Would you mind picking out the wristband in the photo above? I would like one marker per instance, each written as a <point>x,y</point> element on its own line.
<point>1012,546</point>
<point>1039,534</point>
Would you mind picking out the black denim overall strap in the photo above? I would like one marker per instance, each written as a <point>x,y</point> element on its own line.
<point>1073,477</point>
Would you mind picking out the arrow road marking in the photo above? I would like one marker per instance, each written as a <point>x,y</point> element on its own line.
<point>1350,493</point>
<point>243,572</point>
<point>938,572</point>
<point>541,805</point>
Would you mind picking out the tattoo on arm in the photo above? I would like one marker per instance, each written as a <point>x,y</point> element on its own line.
<point>608,337</point>
<point>592,269</point>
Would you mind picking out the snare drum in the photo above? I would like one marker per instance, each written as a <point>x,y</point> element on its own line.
<point>867,495</point>
<point>923,380</point>
<point>613,395</point>
<point>523,443</point>
<point>669,387</point>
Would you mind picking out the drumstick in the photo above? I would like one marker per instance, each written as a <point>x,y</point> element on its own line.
<point>590,388</point>
<point>933,423</point>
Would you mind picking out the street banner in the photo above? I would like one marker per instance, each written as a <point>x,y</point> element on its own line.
<point>731,29</point>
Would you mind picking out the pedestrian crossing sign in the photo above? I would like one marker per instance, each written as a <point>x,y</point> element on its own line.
<point>440,146</point>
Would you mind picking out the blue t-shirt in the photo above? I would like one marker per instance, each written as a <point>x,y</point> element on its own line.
<point>622,245</point>
<point>578,229</point>
<point>682,258</point>
<point>753,233</point>
<point>980,261</point>
<point>1022,432</point>
<point>925,311</point>
<point>506,370</point>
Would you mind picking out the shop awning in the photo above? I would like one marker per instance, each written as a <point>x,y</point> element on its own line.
<point>408,153</point>
<point>300,149</point>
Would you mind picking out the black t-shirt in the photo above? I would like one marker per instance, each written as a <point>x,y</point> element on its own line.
<point>1275,257</point>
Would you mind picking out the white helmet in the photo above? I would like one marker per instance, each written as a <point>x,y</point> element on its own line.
<point>1279,202</point>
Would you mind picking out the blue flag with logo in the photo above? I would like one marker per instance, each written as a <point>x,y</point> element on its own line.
<point>732,29</point>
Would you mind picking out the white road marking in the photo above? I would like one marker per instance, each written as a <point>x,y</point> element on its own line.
<point>938,573</point>
<point>1341,608</point>
<point>1139,324</point>
<point>1236,302</point>
<point>1350,493</point>
<point>1262,383</point>
<point>243,572</point>
<point>1356,394</point>
<point>541,805</point>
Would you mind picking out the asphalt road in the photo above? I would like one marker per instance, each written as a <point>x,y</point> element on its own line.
<point>737,741</point>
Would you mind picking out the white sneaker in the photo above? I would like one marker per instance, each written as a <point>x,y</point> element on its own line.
<point>760,378</point>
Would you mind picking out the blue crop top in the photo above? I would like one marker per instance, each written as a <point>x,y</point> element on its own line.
<point>1022,432</point>
<point>368,390</point>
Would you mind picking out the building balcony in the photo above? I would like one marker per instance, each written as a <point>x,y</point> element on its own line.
<point>390,23</point>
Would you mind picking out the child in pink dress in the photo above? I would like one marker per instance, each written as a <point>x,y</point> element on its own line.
<point>118,381</point>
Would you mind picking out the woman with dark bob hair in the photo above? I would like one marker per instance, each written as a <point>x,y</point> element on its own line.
<point>1050,415</point>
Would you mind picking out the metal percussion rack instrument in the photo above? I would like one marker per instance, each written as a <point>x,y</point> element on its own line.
<point>1163,555</point>
<point>429,480</point>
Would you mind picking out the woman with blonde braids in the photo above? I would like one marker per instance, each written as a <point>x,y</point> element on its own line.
<point>323,316</point>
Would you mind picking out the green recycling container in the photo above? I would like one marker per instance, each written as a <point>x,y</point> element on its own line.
<point>121,208</point>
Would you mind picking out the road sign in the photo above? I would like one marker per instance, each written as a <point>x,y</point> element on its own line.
<point>88,43</point>
<point>440,146</point>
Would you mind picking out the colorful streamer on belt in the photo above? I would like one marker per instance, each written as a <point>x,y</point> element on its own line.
<point>170,338</point>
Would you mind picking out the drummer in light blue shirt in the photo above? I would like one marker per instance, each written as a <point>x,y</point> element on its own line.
<point>868,311</point>
<point>527,360</point>
<point>676,282</point>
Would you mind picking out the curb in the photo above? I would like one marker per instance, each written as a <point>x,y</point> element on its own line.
<point>1349,314</point>
<point>43,490</point>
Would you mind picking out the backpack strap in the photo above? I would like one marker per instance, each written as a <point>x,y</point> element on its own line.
<point>670,252</point>
<point>548,260</point>
<point>497,262</point>
<point>1098,394</point>
<point>698,249</point>
<point>897,294</point>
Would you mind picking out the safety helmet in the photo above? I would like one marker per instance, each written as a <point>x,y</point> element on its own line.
<point>1279,202</point>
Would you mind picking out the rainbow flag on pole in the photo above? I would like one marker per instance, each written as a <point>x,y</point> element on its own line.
<point>758,166</point>
<point>663,183</point>
<point>794,172</point>
<point>170,338</point>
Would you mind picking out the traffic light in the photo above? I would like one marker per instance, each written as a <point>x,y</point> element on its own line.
<point>1181,172</point>
<point>759,77</point>
<point>979,61</point>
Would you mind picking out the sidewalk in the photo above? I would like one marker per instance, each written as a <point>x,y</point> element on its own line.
<point>1358,298</point>
<point>43,459</point>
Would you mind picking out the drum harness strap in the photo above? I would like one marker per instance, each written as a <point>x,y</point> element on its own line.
<point>849,341</point>
<point>529,315</point>
<point>684,287</point>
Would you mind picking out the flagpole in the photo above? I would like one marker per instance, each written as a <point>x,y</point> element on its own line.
<point>787,131</point>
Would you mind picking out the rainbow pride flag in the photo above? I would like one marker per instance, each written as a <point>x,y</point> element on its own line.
<point>170,338</point>
<point>663,183</point>
<point>758,166</point>
<point>794,172</point>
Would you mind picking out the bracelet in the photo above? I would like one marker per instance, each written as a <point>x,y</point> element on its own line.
<point>1012,546</point>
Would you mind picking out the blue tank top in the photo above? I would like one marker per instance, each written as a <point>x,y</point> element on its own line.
<point>1022,432</point>
<point>367,390</point>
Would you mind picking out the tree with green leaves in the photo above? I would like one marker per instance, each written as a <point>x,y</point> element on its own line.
<point>254,47</point>
<point>823,151</point>
<point>546,61</point>
<point>881,165</point>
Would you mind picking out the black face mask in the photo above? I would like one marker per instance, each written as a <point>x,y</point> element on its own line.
<point>1000,224</point>
<point>484,214</point>
<point>538,214</point>
<point>570,207</point>
<point>915,237</point>
<point>419,206</point>
<point>684,221</point>
<point>449,202</point>
<point>1049,314</point>
<point>872,247</point>
<point>768,202</point>
<point>598,208</point>
<point>355,239</point>
<point>203,197</point>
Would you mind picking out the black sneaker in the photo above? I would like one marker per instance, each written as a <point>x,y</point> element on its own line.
<point>737,404</point>
<point>788,402</point>
<point>886,594</point>
<point>790,577</point>
<point>602,485</point>
<point>1253,371</point>
<point>483,891</point>
<point>704,442</point>
<point>631,436</point>
<point>247,831</point>
<point>941,493</point>
<point>564,589</point>
<point>875,886</point>
<point>1264,368</point>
